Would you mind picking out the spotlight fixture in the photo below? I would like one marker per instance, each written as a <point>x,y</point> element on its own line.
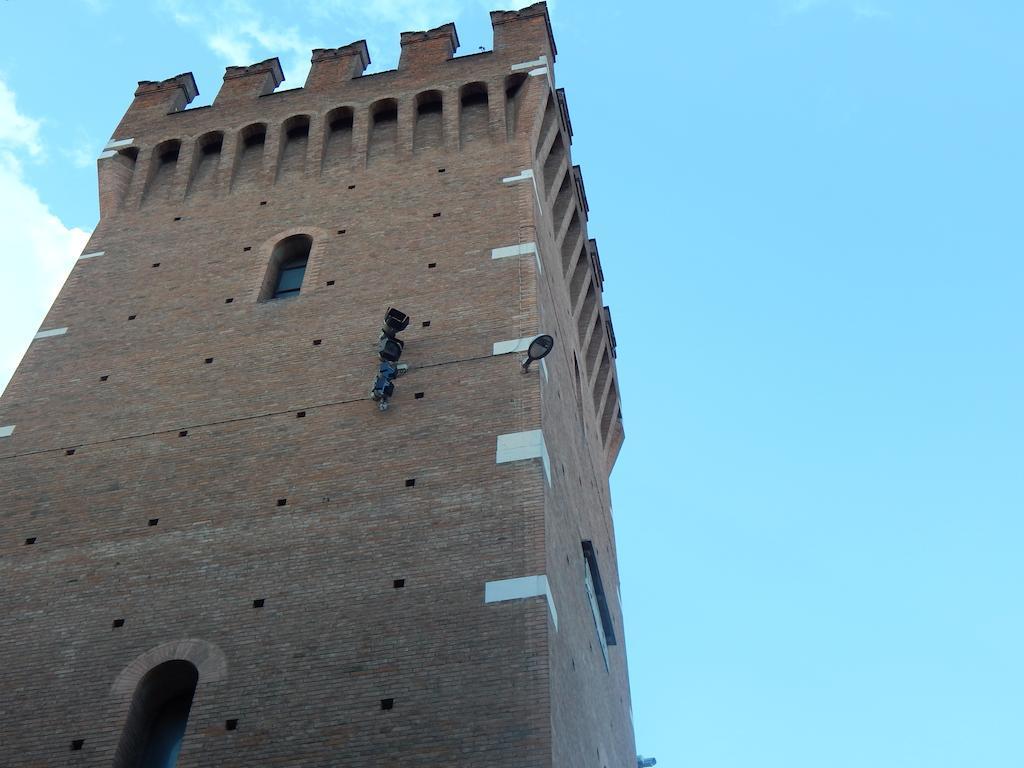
<point>395,321</point>
<point>389,350</point>
<point>537,350</point>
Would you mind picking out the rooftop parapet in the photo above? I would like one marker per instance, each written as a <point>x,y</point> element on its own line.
<point>431,47</point>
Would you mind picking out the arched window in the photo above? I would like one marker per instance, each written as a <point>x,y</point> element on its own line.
<point>158,716</point>
<point>287,267</point>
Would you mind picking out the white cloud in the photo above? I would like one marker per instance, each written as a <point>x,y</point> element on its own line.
<point>239,34</point>
<point>83,154</point>
<point>230,48</point>
<point>17,132</point>
<point>410,15</point>
<point>37,249</point>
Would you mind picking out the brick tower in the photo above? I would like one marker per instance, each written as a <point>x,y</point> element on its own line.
<point>216,545</point>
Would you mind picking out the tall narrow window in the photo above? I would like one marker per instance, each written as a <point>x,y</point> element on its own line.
<point>598,601</point>
<point>158,716</point>
<point>287,267</point>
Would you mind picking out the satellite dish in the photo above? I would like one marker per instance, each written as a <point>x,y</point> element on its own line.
<point>538,349</point>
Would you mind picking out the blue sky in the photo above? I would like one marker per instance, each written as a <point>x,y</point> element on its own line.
<point>810,218</point>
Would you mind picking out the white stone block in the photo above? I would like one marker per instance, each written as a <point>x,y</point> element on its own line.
<point>526,175</point>
<point>512,345</point>
<point>518,446</point>
<point>50,332</point>
<point>541,62</point>
<point>519,589</point>
<point>513,250</point>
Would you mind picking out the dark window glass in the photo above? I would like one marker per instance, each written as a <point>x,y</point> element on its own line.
<point>599,601</point>
<point>289,278</point>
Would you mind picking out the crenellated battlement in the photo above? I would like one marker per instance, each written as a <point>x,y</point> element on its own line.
<point>522,39</point>
<point>340,121</point>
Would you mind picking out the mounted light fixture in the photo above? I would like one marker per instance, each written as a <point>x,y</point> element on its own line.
<point>395,321</point>
<point>390,350</point>
<point>538,349</point>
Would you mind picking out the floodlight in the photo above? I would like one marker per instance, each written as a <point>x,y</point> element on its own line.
<point>538,349</point>
<point>390,349</point>
<point>395,321</point>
